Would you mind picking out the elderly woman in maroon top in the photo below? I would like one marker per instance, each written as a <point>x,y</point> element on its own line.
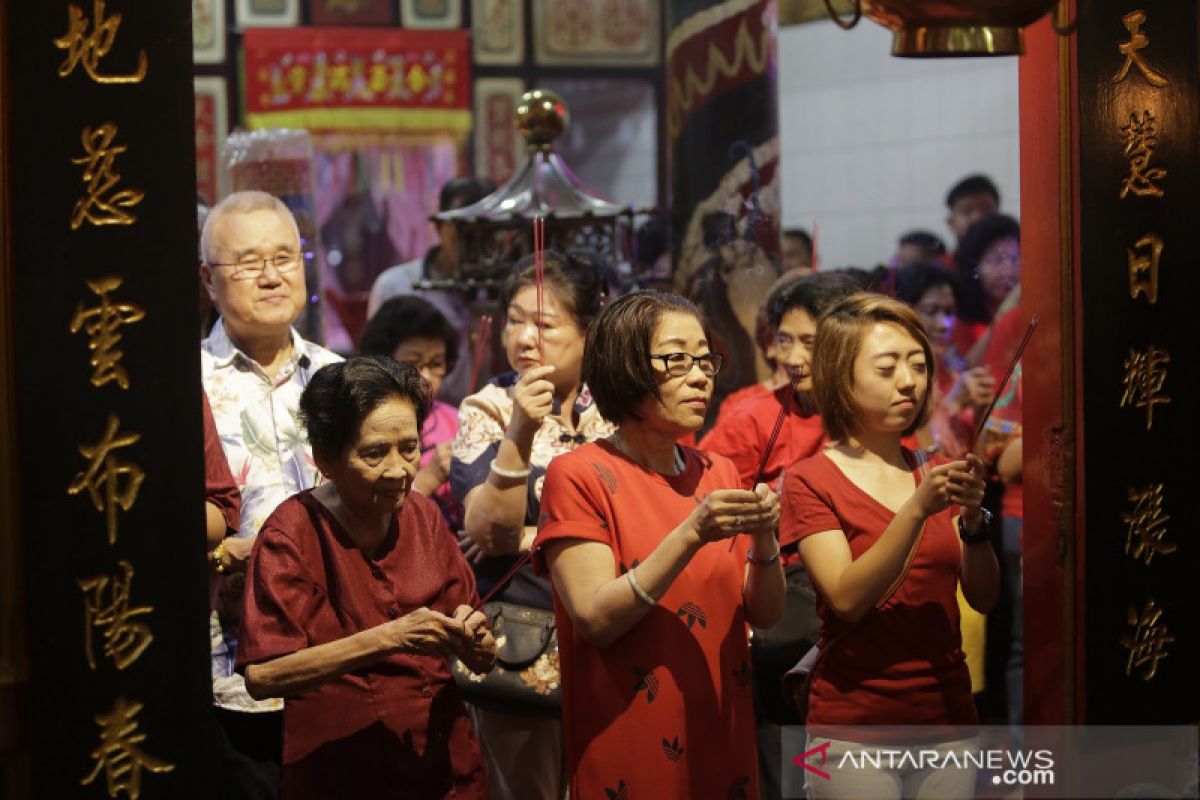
<point>356,598</point>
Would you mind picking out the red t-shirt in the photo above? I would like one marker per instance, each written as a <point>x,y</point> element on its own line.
<point>666,710</point>
<point>397,726</point>
<point>741,435</point>
<point>902,664</point>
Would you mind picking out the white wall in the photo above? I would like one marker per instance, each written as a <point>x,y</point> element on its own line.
<point>870,143</point>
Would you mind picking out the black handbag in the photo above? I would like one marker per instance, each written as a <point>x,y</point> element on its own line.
<point>526,679</point>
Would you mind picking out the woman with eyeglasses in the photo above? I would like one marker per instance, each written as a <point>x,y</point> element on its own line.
<point>652,601</point>
<point>508,433</point>
<point>410,330</point>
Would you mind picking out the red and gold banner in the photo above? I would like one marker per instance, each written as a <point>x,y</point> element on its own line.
<point>348,79</point>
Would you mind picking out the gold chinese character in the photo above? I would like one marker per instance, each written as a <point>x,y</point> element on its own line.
<point>1143,268</point>
<point>124,637</point>
<point>98,207</point>
<point>1145,374</point>
<point>1137,41</point>
<point>88,49</point>
<point>103,477</point>
<point>1146,524</point>
<point>102,323</point>
<point>1141,137</point>
<point>1148,644</point>
<point>118,753</point>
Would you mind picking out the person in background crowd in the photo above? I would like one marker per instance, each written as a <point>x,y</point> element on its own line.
<point>958,394</point>
<point>989,266</point>
<point>652,605</point>
<point>358,597</point>
<point>410,330</point>
<point>440,262</point>
<point>742,434</point>
<point>508,433</point>
<point>932,292</point>
<point>796,250</point>
<point>868,513</point>
<point>1001,447</point>
<point>916,246</point>
<point>968,201</point>
<point>254,366</point>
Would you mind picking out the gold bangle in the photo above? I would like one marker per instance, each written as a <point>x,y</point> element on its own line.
<point>216,557</point>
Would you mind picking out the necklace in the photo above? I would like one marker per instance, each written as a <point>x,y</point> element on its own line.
<point>678,464</point>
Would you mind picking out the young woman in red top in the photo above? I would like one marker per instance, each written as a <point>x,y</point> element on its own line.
<point>652,603</point>
<point>858,509</point>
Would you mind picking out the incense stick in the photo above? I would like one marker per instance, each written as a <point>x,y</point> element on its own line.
<point>1003,382</point>
<point>539,272</point>
<point>784,408</point>
<point>522,561</point>
<point>483,340</point>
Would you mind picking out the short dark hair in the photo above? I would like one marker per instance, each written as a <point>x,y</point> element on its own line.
<point>463,191</point>
<point>340,396</point>
<point>970,186</point>
<point>798,233</point>
<point>616,355</point>
<point>814,293</point>
<point>836,348</point>
<point>403,318</point>
<point>914,280</point>
<point>576,281</point>
<point>927,241</point>
<point>984,233</point>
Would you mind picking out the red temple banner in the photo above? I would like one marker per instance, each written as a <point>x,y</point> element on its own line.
<point>352,79</point>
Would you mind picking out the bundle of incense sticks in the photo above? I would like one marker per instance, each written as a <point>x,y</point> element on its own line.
<point>522,561</point>
<point>783,412</point>
<point>483,342</point>
<point>539,272</point>
<point>1033,322</point>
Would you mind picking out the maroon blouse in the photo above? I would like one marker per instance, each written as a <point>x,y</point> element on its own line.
<point>396,728</point>
<point>220,489</point>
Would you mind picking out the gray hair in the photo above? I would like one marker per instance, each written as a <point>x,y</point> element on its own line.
<point>241,202</point>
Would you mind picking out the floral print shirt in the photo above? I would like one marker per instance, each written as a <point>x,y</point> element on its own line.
<point>482,421</point>
<point>267,450</point>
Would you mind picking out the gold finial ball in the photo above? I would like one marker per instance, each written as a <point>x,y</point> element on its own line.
<point>542,116</point>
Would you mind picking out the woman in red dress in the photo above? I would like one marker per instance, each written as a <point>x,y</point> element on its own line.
<point>861,509</point>
<point>356,597</point>
<point>652,604</point>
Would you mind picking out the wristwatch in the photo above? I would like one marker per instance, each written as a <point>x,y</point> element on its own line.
<point>982,532</point>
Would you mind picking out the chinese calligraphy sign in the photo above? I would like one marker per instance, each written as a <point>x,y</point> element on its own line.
<point>1145,374</point>
<point>118,755</point>
<point>102,205</point>
<point>1141,137</point>
<point>1146,524</point>
<point>102,323</point>
<point>106,606</point>
<point>1138,41</point>
<point>109,482</point>
<point>87,49</point>
<point>1147,644</point>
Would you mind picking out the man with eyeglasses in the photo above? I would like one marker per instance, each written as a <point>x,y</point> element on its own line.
<point>793,309</point>
<point>254,365</point>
